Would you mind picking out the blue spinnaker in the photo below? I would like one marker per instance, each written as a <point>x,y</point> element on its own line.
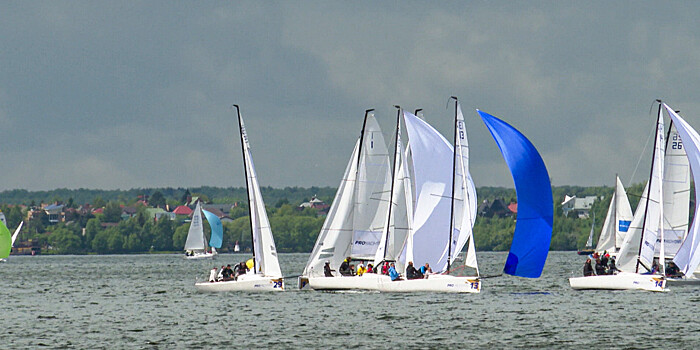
<point>533,229</point>
<point>217,230</point>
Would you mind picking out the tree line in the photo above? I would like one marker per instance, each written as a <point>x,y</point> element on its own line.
<point>295,230</point>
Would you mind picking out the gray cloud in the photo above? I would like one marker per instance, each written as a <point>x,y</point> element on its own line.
<point>124,94</point>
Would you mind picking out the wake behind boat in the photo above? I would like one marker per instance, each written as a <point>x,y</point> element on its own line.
<point>265,274</point>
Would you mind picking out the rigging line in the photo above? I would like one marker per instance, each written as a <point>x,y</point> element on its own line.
<point>629,182</point>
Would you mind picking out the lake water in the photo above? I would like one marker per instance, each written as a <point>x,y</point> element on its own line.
<point>149,301</point>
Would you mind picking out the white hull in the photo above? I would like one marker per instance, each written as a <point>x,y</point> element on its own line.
<point>621,281</point>
<point>245,283</point>
<point>685,281</point>
<point>382,283</point>
<point>434,283</point>
<point>3,260</point>
<point>200,256</point>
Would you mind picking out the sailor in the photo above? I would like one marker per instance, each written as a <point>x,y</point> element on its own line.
<point>212,275</point>
<point>220,276</point>
<point>411,272</point>
<point>385,268</point>
<point>612,269</point>
<point>672,270</point>
<point>587,268</point>
<point>370,268</point>
<point>604,260</point>
<point>599,268</point>
<point>425,270</point>
<point>327,269</point>
<point>345,267</point>
<point>227,273</point>
<point>393,273</point>
<point>361,269</point>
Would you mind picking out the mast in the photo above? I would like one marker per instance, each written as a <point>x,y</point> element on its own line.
<point>452,202</point>
<point>651,175</point>
<point>393,179</point>
<point>245,170</point>
<point>616,223</point>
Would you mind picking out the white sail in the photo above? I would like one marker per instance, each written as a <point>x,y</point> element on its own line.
<point>265,252</point>
<point>372,192</point>
<point>14,235</point>
<point>617,221</point>
<point>395,235</point>
<point>195,236</point>
<point>464,195</point>
<point>589,242</point>
<point>688,256</point>
<point>355,221</point>
<point>432,158</point>
<point>606,241</point>
<point>676,194</point>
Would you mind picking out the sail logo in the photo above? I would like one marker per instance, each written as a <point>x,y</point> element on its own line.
<point>624,225</point>
<point>366,243</point>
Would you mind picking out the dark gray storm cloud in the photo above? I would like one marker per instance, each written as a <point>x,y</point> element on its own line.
<point>138,94</point>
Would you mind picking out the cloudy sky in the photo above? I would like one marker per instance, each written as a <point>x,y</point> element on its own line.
<point>123,94</point>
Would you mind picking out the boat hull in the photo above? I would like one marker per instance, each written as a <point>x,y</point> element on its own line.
<point>382,283</point>
<point>244,283</point>
<point>693,279</point>
<point>434,283</point>
<point>200,256</point>
<point>621,281</point>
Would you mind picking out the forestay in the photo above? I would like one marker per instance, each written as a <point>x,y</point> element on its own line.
<point>533,229</point>
<point>265,252</point>
<point>688,256</point>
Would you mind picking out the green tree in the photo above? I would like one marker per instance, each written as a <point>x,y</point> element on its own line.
<point>180,235</point>
<point>65,241</point>
<point>157,200</point>
<point>98,202</point>
<point>112,212</point>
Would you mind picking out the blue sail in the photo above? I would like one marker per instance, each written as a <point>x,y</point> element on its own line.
<point>533,229</point>
<point>217,230</point>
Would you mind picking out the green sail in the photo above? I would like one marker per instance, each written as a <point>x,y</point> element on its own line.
<point>5,241</point>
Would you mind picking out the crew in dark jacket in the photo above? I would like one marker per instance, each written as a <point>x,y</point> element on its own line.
<point>588,268</point>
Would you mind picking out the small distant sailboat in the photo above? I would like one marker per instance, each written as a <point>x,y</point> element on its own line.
<point>265,274</point>
<point>196,244</point>
<point>7,242</point>
<point>589,243</point>
<point>617,221</point>
<point>236,248</point>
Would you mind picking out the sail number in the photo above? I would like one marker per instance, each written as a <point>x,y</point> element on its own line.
<point>475,285</point>
<point>677,143</point>
<point>277,284</point>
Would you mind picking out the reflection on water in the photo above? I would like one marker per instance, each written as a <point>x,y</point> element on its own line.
<point>148,301</point>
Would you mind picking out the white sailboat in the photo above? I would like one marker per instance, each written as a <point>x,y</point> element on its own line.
<point>265,274</point>
<point>617,221</point>
<point>3,257</point>
<point>196,243</point>
<point>445,207</point>
<point>355,221</point>
<point>636,255</point>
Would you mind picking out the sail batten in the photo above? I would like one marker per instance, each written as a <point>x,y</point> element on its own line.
<point>533,229</point>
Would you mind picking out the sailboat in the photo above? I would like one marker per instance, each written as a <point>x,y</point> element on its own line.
<point>445,208</point>
<point>4,247</point>
<point>265,274</point>
<point>196,243</point>
<point>588,249</point>
<point>636,256</point>
<point>355,222</point>
<point>617,221</point>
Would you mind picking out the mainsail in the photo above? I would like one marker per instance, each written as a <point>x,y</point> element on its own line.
<point>688,256</point>
<point>432,158</point>
<point>676,194</point>
<point>533,229</point>
<point>264,250</point>
<point>617,221</point>
<point>195,235</point>
<point>354,224</point>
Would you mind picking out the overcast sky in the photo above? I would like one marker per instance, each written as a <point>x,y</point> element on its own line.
<point>123,94</point>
